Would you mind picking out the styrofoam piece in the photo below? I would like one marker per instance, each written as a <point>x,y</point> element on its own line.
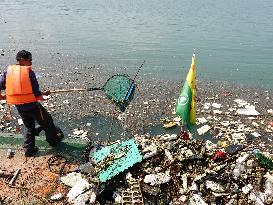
<point>202,130</point>
<point>241,102</point>
<point>250,110</point>
<point>159,178</point>
<point>243,158</point>
<point>71,179</point>
<point>255,134</point>
<point>81,186</point>
<point>56,197</point>
<point>216,105</point>
<point>193,186</point>
<point>217,112</point>
<point>207,106</point>
<point>168,137</point>
<point>202,120</point>
<point>215,187</point>
<point>20,122</point>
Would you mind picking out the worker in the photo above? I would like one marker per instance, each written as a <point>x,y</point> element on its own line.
<point>22,90</point>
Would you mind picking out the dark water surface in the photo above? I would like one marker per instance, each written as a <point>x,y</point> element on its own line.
<point>233,39</point>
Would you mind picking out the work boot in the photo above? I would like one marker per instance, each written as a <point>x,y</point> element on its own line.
<point>30,152</point>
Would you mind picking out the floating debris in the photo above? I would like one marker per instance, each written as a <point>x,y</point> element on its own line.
<point>202,130</point>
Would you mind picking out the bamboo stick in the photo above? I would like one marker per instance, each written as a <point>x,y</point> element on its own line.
<point>68,90</point>
<point>14,176</point>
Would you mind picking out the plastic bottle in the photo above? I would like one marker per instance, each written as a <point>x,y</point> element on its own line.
<point>239,166</point>
<point>268,187</point>
<point>265,161</point>
<point>237,170</point>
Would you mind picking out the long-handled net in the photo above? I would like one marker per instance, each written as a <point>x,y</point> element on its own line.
<point>119,88</point>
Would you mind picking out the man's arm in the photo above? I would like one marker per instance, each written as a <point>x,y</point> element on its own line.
<point>35,85</point>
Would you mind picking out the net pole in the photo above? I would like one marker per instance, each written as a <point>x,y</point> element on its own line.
<point>138,71</point>
<point>133,82</point>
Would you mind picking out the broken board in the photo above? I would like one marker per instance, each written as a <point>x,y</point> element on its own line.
<point>116,158</point>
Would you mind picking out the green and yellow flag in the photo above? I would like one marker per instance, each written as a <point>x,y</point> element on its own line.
<point>186,102</point>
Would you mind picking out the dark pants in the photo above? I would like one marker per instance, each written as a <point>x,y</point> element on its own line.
<point>44,119</point>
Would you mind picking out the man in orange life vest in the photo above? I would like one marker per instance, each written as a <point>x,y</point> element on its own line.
<point>22,90</point>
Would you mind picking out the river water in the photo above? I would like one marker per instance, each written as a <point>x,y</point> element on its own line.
<point>232,39</point>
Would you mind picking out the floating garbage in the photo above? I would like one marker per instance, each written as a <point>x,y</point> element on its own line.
<point>202,130</point>
<point>249,110</point>
<point>159,178</point>
<point>169,125</point>
<point>264,160</point>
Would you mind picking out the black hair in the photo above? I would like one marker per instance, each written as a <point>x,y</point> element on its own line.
<point>23,54</point>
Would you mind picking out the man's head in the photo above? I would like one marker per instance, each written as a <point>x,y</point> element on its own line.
<point>24,58</point>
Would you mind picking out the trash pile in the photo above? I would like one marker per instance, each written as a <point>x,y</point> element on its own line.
<point>172,169</point>
<point>233,168</point>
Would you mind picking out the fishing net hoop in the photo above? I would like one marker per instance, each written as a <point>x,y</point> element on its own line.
<point>119,88</point>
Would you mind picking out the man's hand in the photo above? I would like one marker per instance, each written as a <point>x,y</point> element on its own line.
<point>47,92</point>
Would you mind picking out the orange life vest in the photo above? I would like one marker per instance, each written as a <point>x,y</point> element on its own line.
<point>18,85</point>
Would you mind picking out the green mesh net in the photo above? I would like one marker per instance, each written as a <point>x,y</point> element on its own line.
<point>119,89</point>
